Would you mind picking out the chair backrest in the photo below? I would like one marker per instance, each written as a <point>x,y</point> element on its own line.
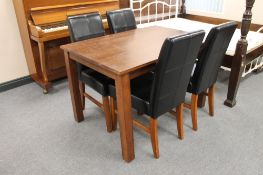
<point>121,20</point>
<point>211,56</point>
<point>85,26</point>
<point>173,71</point>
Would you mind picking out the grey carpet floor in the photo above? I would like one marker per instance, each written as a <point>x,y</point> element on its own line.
<point>39,136</point>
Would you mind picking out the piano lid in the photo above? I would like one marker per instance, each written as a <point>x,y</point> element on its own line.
<point>57,13</point>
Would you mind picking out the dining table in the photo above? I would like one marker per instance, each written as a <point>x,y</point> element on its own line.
<point>122,57</point>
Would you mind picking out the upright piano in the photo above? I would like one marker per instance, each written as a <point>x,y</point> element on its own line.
<point>43,28</point>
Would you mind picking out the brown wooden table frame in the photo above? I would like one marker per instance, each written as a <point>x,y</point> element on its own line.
<point>122,74</point>
<point>123,99</point>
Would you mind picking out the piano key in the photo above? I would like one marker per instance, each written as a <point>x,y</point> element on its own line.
<point>48,30</point>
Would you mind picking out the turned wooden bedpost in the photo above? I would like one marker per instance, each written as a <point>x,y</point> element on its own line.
<point>183,9</point>
<point>238,62</point>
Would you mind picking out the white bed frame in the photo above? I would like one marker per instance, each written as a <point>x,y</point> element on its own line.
<point>255,64</point>
<point>250,67</point>
<point>163,15</point>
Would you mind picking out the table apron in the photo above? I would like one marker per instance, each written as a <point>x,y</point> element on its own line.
<point>133,74</point>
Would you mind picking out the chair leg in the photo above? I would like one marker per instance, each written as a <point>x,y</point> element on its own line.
<point>113,107</point>
<point>179,120</point>
<point>106,109</point>
<point>139,113</point>
<point>194,102</point>
<point>211,100</point>
<point>154,137</point>
<point>152,130</point>
<point>82,91</point>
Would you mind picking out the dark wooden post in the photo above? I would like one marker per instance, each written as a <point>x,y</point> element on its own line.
<point>239,58</point>
<point>183,9</point>
<point>260,69</point>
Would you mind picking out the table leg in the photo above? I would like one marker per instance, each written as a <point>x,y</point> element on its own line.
<point>125,117</point>
<point>73,81</point>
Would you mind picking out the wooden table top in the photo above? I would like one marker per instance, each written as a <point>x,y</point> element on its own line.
<point>123,52</point>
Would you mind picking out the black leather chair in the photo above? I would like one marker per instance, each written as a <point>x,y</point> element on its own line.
<point>121,20</point>
<point>82,27</point>
<point>158,92</point>
<point>209,61</point>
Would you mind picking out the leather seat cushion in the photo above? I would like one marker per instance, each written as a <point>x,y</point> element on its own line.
<point>96,80</point>
<point>190,86</point>
<point>140,92</point>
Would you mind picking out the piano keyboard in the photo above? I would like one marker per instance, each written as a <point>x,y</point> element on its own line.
<point>57,27</point>
<point>53,28</point>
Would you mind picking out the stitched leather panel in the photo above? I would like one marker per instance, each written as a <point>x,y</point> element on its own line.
<point>211,56</point>
<point>85,26</point>
<point>121,20</point>
<point>82,27</point>
<point>173,71</point>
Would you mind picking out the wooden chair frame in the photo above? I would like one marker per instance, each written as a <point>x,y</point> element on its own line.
<point>105,105</point>
<point>152,128</point>
<point>193,106</point>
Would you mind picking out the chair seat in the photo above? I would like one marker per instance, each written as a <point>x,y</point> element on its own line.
<point>96,80</point>
<point>190,88</point>
<point>140,92</point>
<point>190,85</point>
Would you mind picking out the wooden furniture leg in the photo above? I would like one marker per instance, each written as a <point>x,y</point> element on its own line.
<point>46,84</point>
<point>194,104</point>
<point>113,107</point>
<point>238,60</point>
<point>154,137</point>
<point>82,92</point>
<point>179,120</point>
<point>201,99</point>
<point>152,130</point>
<point>234,80</point>
<point>139,113</point>
<point>211,93</point>
<point>194,101</point>
<point>125,116</point>
<point>73,81</point>
<point>106,109</point>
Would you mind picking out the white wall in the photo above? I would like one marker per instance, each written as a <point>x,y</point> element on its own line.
<point>234,9</point>
<point>12,60</point>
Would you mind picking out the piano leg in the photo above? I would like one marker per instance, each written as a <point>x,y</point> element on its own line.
<point>46,84</point>
<point>45,91</point>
